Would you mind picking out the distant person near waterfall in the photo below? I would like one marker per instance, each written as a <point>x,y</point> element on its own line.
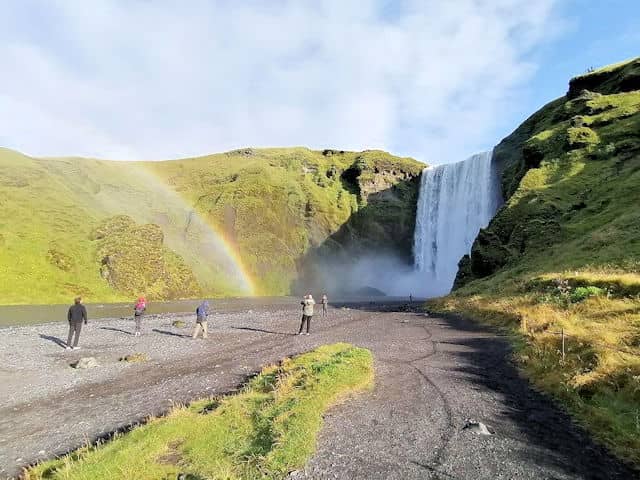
<point>307,312</point>
<point>202,312</point>
<point>138,311</point>
<point>325,302</point>
<point>76,315</point>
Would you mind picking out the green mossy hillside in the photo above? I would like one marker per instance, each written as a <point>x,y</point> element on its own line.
<point>134,260</point>
<point>275,205</point>
<point>563,253</point>
<point>270,207</point>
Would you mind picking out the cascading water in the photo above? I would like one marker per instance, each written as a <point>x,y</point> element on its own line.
<point>456,200</point>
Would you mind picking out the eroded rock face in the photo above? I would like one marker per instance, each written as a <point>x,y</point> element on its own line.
<point>134,260</point>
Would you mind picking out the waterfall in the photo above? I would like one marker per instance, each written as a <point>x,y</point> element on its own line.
<point>456,200</point>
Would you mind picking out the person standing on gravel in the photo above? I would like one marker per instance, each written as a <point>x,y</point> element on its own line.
<point>307,312</point>
<point>325,302</point>
<point>138,311</point>
<point>202,312</point>
<point>76,315</point>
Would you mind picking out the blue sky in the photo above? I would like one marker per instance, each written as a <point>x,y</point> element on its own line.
<point>594,33</point>
<point>159,79</point>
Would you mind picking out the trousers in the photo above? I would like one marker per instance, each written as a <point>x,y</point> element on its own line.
<point>74,330</point>
<point>200,326</point>
<point>305,319</point>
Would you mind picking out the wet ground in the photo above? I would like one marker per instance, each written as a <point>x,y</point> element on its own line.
<point>433,376</point>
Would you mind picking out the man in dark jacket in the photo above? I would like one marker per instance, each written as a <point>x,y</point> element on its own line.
<point>76,315</point>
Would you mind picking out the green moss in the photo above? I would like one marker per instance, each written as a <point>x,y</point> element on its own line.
<point>579,137</point>
<point>134,261</point>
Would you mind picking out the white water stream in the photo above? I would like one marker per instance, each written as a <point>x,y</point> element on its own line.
<point>456,200</point>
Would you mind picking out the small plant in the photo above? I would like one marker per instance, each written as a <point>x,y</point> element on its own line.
<point>179,323</point>
<point>135,358</point>
<point>582,293</point>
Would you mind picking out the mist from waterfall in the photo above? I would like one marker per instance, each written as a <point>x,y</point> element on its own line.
<point>456,200</point>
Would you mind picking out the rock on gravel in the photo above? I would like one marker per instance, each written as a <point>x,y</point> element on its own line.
<point>477,427</point>
<point>85,362</point>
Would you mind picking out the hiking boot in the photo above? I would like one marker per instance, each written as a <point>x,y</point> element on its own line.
<point>76,348</point>
<point>67,347</point>
<point>307,333</point>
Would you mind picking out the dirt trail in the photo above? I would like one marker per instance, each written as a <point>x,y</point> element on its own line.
<point>432,375</point>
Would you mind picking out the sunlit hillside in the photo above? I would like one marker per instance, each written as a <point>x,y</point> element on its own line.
<point>235,223</point>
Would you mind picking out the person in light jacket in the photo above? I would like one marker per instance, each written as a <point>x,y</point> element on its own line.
<point>307,312</point>
<point>325,302</point>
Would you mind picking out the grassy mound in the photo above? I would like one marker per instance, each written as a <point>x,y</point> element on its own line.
<point>564,253</point>
<point>133,259</point>
<point>266,431</point>
<point>271,206</point>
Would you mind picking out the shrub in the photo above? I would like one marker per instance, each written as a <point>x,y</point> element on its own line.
<point>582,293</point>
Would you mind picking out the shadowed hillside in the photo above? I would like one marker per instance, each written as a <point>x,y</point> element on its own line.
<point>234,223</point>
<point>563,254</point>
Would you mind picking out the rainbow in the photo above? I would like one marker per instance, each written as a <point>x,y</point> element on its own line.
<point>212,244</point>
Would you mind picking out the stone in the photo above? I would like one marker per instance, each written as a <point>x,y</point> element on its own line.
<point>477,427</point>
<point>85,362</point>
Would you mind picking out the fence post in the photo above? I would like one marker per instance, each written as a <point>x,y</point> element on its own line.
<point>563,345</point>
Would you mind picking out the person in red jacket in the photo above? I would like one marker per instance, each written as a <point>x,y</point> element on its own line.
<point>138,311</point>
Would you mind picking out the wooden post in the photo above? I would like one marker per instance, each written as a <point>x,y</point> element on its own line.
<point>563,345</point>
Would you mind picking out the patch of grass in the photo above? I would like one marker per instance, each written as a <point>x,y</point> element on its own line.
<point>264,432</point>
<point>138,357</point>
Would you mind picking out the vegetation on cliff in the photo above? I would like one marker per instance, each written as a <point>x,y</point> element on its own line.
<point>134,260</point>
<point>563,254</point>
<point>224,220</point>
<point>266,431</point>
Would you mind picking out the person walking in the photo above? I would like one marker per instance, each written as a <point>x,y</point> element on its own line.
<point>202,312</point>
<point>76,315</point>
<point>325,302</point>
<point>307,312</point>
<point>138,311</point>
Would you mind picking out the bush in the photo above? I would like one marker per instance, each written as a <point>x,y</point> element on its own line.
<point>581,293</point>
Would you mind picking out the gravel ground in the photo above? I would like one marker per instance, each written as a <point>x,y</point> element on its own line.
<point>433,375</point>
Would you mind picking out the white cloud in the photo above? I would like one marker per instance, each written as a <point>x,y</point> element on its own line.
<point>120,79</point>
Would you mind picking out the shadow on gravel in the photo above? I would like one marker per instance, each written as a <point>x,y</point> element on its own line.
<point>56,340</point>
<point>173,334</point>
<point>542,423</point>
<point>113,329</point>
<point>262,330</point>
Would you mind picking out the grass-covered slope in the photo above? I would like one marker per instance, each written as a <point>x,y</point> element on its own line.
<point>564,252</point>
<point>222,219</point>
<point>264,432</point>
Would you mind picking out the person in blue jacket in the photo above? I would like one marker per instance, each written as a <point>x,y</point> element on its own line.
<point>202,312</point>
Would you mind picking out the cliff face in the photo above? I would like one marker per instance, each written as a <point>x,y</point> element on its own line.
<point>212,225</point>
<point>562,256</point>
<point>570,173</point>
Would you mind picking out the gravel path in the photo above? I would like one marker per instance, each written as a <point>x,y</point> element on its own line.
<point>432,376</point>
